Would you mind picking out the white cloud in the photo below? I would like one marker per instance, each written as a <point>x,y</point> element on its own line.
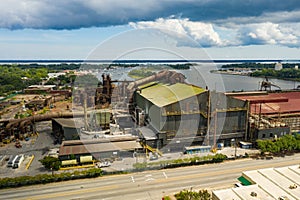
<point>267,33</point>
<point>202,33</point>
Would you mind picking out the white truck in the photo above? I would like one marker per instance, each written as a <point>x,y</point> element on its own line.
<point>11,161</point>
<point>18,161</point>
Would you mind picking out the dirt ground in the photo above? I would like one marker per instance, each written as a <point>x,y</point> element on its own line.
<point>58,104</point>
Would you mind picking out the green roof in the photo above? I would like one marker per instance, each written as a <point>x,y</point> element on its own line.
<point>244,181</point>
<point>162,95</point>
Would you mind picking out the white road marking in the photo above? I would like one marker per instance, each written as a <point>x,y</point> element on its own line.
<point>132,179</point>
<point>149,179</point>
<point>165,175</point>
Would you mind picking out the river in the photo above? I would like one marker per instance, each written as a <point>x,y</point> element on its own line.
<point>200,75</point>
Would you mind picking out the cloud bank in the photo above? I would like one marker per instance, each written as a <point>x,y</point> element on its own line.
<point>73,14</point>
<point>205,34</point>
<point>208,22</point>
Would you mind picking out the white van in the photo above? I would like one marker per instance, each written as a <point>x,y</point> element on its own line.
<point>11,161</point>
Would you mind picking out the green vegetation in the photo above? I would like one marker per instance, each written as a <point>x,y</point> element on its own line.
<point>287,143</point>
<point>48,178</point>
<point>289,74</point>
<point>87,80</point>
<point>217,158</point>
<point>259,65</point>
<point>18,77</point>
<point>14,78</point>
<point>267,70</point>
<point>180,66</point>
<point>140,165</point>
<point>192,195</point>
<point>62,80</point>
<point>140,73</point>
<point>50,163</point>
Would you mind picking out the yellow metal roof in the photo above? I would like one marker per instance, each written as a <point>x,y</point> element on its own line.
<point>162,95</point>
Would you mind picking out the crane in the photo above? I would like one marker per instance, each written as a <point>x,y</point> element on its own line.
<point>266,85</point>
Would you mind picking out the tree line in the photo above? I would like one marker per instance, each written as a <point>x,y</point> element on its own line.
<point>14,78</point>
<point>259,65</point>
<point>286,143</point>
<point>287,73</point>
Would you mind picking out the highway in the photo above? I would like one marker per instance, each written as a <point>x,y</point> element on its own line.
<point>149,184</point>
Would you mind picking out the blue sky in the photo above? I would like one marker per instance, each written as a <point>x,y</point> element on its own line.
<point>109,29</point>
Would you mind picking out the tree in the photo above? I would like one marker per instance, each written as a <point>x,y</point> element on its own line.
<point>204,195</point>
<point>193,195</point>
<point>50,162</point>
<point>286,143</point>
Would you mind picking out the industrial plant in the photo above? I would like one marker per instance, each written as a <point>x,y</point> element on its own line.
<point>160,113</point>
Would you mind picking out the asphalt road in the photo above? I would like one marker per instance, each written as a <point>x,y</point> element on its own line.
<point>149,184</point>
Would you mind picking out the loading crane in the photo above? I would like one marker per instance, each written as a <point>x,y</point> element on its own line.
<point>266,85</point>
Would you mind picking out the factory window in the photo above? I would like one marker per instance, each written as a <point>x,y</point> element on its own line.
<point>271,135</point>
<point>263,135</point>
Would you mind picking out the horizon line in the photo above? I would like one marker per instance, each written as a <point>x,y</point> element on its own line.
<point>146,61</point>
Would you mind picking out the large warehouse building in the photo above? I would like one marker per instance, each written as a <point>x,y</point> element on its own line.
<point>272,114</point>
<point>173,111</point>
<point>227,121</point>
<point>182,115</point>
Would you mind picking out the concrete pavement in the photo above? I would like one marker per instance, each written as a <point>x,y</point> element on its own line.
<point>148,184</point>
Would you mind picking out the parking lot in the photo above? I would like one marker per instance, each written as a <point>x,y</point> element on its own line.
<point>37,145</point>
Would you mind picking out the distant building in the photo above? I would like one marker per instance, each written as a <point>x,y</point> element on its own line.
<point>39,89</point>
<point>55,75</point>
<point>38,102</point>
<point>278,66</point>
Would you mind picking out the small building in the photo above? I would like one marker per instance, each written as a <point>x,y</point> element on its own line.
<point>39,89</point>
<point>39,102</point>
<point>99,149</point>
<point>124,121</point>
<point>15,102</point>
<point>56,75</point>
<point>197,149</point>
<point>148,136</point>
<point>4,104</point>
<point>278,66</point>
<point>66,129</point>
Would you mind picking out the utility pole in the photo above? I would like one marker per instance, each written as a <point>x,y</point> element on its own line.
<point>235,148</point>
